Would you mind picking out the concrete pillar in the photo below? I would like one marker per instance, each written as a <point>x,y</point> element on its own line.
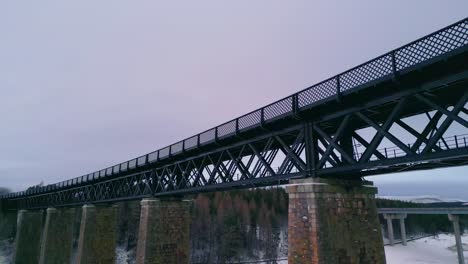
<point>98,235</point>
<point>164,232</point>
<point>57,237</point>
<point>456,230</point>
<point>403,228</point>
<point>333,221</point>
<point>28,237</point>
<point>390,235</point>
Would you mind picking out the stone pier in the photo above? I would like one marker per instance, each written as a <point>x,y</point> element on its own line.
<point>57,236</point>
<point>164,232</point>
<point>333,221</point>
<point>98,235</point>
<point>28,237</point>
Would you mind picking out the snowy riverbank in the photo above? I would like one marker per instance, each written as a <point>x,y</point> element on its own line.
<point>429,250</point>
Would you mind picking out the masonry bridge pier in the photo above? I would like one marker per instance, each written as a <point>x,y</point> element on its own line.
<point>404,110</point>
<point>317,208</point>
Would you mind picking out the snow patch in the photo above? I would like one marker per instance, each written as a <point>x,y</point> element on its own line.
<point>6,251</point>
<point>437,250</point>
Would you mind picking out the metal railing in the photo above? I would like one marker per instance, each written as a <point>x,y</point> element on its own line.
<point>445,143</point>
<point>450,39</point>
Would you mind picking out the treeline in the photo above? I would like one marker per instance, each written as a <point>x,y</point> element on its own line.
<point>240,225</point>
<point>226,226</point>
<point>7,220</point>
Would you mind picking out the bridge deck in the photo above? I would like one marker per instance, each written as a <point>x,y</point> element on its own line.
<point>316,132</point>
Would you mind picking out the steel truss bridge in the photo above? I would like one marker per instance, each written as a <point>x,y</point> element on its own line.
<point>404,110</point>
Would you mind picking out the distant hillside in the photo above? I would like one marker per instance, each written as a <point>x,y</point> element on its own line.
<point>425,199</point>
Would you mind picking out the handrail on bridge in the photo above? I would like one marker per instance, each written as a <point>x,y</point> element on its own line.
<point>451,39</point>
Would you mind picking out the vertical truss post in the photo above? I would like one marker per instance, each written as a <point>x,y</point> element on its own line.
<point>346,142</point>
<point>311,150</point>
<point>179,177</point>
<point>394,64</point>
<point>338,88</point>
<point>295,105</point>
<point>262,117</point>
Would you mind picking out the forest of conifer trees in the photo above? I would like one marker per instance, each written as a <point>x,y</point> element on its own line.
<point>243,225</point>
<point>240,225</point>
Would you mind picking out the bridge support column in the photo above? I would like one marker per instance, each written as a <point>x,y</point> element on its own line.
<point>403,229</point>
<point>456,230</point>
<point>98,235</point>
<point>164,232</point>
<point>391,237</point>
<point>28,237</point>
<point>56,244</point>
<point>390,234</point>
<point>332,221</point>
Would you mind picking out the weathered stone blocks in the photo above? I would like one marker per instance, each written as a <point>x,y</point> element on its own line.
<point>98,235</point>
<point>164,232</point>
<point>28,236</point>
<point>56,244</point>
<point>332,221</point>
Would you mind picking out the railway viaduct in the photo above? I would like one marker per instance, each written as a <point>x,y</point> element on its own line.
<point>404,110</point>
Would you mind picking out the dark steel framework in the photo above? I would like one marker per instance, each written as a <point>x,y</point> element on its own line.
<point>396,112</point>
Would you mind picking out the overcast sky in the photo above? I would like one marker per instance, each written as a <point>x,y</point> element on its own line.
<point>87,84</point>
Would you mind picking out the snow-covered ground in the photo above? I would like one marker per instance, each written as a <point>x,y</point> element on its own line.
<point>6,251</point>
<point>429,250</point>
